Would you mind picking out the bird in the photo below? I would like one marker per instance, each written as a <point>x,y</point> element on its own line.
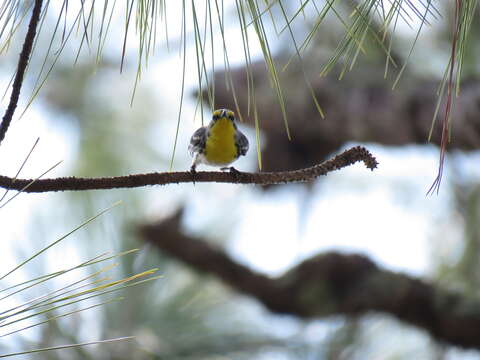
<point>218,144</point>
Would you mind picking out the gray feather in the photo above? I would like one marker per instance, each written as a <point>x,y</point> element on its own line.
<point>241,142</point>
<point>197,141</point>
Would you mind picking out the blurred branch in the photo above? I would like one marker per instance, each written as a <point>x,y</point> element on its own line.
<point>22,65</point>
<point>330,284</point>
<point>361,108</point>
<point>346,158</point>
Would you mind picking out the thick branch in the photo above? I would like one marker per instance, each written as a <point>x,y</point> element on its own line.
<point>330,284</point>
<point>22,65</point>
<point>346,158</point>
<point>362,107</point>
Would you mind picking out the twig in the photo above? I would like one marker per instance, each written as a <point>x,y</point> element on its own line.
<point>22,65</point>
<point>346,158</point>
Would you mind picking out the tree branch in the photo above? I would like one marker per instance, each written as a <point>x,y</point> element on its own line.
<point>330,284</point>
<point>346,158</point>
<point>360,108</point>
<point>22,65</point>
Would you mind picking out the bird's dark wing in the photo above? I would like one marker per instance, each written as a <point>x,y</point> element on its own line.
<point>197,142</point>
<point>242,143</point>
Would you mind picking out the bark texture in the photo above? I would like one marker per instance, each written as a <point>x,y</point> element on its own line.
<point>346,158</point>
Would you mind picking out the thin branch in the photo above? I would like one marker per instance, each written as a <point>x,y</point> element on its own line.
<point>346,158</point>
<point>22,65</point>
<point>330,284</point>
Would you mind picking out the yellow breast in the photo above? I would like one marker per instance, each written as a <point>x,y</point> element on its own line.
<point>220,147</point>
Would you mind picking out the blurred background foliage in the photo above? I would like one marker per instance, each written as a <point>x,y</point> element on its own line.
<point>107,132</point>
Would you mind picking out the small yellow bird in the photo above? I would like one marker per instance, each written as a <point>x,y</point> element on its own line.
<point>218,144</point>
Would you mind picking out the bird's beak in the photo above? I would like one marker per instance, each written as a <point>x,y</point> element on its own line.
<point>224,113</point>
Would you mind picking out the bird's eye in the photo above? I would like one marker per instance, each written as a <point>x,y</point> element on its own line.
<point>231,116</point>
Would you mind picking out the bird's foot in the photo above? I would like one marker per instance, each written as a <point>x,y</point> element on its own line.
<point>193,171</point>
<point>232,170</point>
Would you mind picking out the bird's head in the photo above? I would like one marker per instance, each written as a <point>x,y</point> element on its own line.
<point>222,114</point>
